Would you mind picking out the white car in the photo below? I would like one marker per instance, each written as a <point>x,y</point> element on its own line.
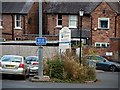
<point>32,61</point>
<point>14,65</point>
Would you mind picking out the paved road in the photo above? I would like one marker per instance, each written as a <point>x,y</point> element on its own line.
<point>107,80</point>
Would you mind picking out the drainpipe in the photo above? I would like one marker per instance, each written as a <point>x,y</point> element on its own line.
<point>24,24</point>
<point>119,49</point>
<point>46,23</point>
<point>115,26</point>
<point>12,27</point>
<point>91,31</point>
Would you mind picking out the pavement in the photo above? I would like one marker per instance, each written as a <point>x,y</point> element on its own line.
<point>106,81</point>
<point>100,71</point>
<point>47,78</point>
<point>40,79</point>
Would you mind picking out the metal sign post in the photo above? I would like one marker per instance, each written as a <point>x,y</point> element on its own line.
<point>40,41</point>
<point>40,48</point>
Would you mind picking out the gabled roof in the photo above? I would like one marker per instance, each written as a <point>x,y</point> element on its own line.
<point>74,7</point>
<point>115,6</point>
<point>16,7</point>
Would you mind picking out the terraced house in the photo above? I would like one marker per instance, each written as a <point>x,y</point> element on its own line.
<point>100,24</point>
<point>18,19</point>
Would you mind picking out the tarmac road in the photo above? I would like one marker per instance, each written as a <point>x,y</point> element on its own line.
<point>106,80</point>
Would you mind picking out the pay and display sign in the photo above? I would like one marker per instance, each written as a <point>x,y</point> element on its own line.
<point>41,41</point>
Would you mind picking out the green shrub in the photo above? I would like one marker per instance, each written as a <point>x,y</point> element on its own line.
<point>69,69</point>
<point>55,69</point>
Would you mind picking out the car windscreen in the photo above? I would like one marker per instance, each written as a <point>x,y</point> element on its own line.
<point>30,59</point>
<point>11,59</point>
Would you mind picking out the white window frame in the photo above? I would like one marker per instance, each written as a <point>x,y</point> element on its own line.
<point>104,19</point>
<point>17,27</point>
<point>73,20</point>
<point>59,26</point>
<point>0,21</point>
<point>101,43</point>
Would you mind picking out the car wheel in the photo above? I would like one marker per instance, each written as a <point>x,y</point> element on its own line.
<point>24,76</point>
<point>112,68</point>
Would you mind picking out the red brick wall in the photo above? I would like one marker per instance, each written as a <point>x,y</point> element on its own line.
<point>33,14</point>
<point>115,47</point>
<point>19,32</point>
<point>86,22</point>
<point>96,51</point>
<point>7,23</point>
<point>103,35</point>
<point>27,28</point>
<point>65,22</point>
<point>7,27</point>
<point>118,26</point>
<point>52,23</point>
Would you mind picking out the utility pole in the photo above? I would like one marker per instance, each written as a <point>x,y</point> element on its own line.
<point>80,53</point>
<point>40,48</point>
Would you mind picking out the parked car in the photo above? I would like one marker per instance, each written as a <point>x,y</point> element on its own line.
<point>32,61</point>
<point>102,63</point>
<point>14,65</point>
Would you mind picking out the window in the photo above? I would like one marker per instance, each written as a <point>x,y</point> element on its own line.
<point>103,23</point>
<point>59,21</point>
<point>0,21</point>
<point>17,22</point>
<point>101,44</point>
<point>84,41</point>
<point>72,21</point>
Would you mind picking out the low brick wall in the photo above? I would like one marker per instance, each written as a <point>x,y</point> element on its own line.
<point>102,52</point>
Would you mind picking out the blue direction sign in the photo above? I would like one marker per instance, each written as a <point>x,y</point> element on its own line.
<point>40,41</point>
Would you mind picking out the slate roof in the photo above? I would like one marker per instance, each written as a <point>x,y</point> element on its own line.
<point>16,7</point>
<point>74,7</point>
<point>115,6</point>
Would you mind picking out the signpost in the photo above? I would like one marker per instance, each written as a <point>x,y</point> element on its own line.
<point>40,41</point>
<point>64,39</point>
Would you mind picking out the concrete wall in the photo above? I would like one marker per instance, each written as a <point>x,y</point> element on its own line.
<point>48,52</point>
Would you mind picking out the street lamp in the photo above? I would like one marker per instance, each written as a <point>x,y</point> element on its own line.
<point>81,14</point>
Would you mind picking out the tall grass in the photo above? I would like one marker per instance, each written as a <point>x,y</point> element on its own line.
<point>70,68</point>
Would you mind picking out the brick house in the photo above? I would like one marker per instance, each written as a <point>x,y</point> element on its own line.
<point>100,24</point>
<point>18,19</point>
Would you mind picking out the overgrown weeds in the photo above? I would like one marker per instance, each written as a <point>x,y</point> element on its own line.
<point>69,69</point>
